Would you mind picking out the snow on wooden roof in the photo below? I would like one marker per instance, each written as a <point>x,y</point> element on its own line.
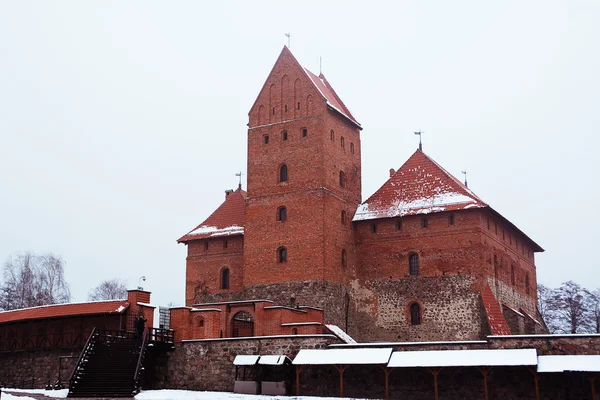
<point>586,363</point>
<point>273,360</point>
<point>65,310</point>
<point>342,356</point>
<point>227,220</point>
<point>337,331</point>
<point>463,358</point>
<point>245,360</point>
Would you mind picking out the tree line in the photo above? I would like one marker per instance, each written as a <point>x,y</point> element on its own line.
<point>30,280</point>
<point>570,308</point>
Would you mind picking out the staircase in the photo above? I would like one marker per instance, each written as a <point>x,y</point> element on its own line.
<point>110,365</point>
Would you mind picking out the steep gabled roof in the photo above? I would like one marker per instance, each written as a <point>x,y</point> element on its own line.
<point>227,220</point>
<point>65,310</point>
<point>420,186</point>
<point>321,85</point>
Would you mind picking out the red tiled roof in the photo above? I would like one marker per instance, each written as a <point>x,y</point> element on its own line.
<point>420,186</point>
<point>65,310</point>
<point>227,220</point>
<point>493,312</point>
<point>333,100</point>
<point>530,315</point>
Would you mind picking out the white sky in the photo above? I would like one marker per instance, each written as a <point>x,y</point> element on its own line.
<point>122,123</point>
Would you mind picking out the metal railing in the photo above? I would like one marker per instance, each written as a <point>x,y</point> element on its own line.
<point>84,353</point>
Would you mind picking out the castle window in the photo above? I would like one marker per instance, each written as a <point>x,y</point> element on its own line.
<point>332,135</point>
<point>399,225</point>
<point>284,135</point>
<point>304,132</point>
<point>283,173</point>
<point>352,148</point>
<point>527,283</point>
<point>413,264</point>
<point>451,219</point>
<point>298,105</point>
<point>373,228</point>
<point>294,331</point>
<point>225,278</point>
<point>343,217</point>
<point>282,255</point>
<point>266,137</point>
<point>342,179</point>
<point>206,245</point>
<point>415,314</point>
<point>344,258</point>
<point>225,243</point>
<point>273,110</point>
<point>285,107</point>
<point>512,275</point>
<point>424,222</point>
<point>342,143</point>
<point>281,213</point>
<point>201,323</point>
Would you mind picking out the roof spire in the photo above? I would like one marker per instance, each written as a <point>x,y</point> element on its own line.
<point>239,174</point>
<point>465,174</point>
<point>420,144</point>
<point>289,36</point>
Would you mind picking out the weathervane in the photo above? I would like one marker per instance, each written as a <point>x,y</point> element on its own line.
<point>289,36</point>
<point>420,144</point>
<point>239,174</point>
<point>465,174</point>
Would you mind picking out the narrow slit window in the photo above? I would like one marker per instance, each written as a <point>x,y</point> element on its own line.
<point>342,142</point>
<point>413,264</point>
<point>399,225</point>
<point>282,255</point>
<point>225,278</point>
<point>415,314</point>
<point>304,132</point>
<point>284,135</point>
<point>342,179</point>
<point>344,258</point>
<point>451,219</point>
<point>424,222</point>
<point>352,148</point>
<point>373,228</point>
<point>283,173</point>
<point>332,135</point>
<point>343,217</point>
<point>281,214</point>
<point>266,137</point>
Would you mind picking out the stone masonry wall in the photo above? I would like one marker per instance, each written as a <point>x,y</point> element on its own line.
<point>41,365</point>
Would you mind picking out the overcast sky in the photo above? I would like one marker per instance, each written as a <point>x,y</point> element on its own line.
<point>122,123</point>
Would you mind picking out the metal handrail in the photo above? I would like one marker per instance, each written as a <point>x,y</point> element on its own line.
<point>81,357</point>
<point>140,359</point>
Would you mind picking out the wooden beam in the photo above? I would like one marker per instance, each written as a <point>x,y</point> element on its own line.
<point>592,379</point>
<point>387,371</point>
<point>341,369</point>
<point>536,379</point>
<point>435,372</point>
<point>298,369</point>
<point>485,371</point>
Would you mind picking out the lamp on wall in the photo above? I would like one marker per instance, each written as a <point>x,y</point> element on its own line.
<point>142,278</point>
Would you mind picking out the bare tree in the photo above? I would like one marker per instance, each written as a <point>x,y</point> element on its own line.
<point>111,289</point>
<point>567,305</point>
<point>31,280</point>
<point>544,294</point>
<point>593,306</point>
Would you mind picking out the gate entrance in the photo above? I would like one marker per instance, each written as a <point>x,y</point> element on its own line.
<point>242,325</point>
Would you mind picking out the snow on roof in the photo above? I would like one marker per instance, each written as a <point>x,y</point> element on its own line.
<point>463,358</point>
<point>301,323</point>
<point>273,360</point>
<point>585,363</point>
<point>514,310</point>
<point>245,360</point>
<point>337,331</point>
<point>227,220</point>
<point>65,310</point>
<point>145,304</point>
<point>387,344</point>
<point>342,356</point>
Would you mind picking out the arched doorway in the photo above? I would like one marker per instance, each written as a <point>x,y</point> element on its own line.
<point>242,325</point>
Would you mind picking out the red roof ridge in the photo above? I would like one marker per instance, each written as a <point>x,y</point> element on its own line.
<point>63,304</point>
<point>227,220</point>
<point>65,310</point>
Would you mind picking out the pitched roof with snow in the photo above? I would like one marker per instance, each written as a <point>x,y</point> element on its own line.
<point>65,310</point>
<point>420,186</point>
<point>227,220</point>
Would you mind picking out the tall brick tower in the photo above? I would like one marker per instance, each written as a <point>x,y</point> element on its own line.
<point>304,185</point>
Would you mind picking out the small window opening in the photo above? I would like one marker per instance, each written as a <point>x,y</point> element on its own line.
<point>205,245</point>
<point>424,222</point>
<point>342,142</point>
<point>399,225</point>
<point>342,179</point>
<point>282,255</point>
<point>332,135</point>
<point>273,110</point>
<point>352,148</point>
<point>298,105</point>
<point>344,258</point>
<point>225,243</point>
<point>373,228</point>
<point>304,132</point>
<point>415,314</point>
<point>294,331</point>
<point>201,323</point>
<point>284,135</point>
<point>266,139</point>
<point>285,108</point>
<point>283,173</point>
<point>413,264</point>
<point>451,219</point>
<point>281,214</point>
<point>343,217</point>
<point>225,278</point>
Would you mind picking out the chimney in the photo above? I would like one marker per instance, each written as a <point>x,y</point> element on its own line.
<point>392,172</point>
<point>228,192</point>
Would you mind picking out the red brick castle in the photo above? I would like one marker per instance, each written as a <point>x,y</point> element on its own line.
<point>423,258</point>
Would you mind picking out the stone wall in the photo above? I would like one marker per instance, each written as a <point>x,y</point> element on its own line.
<point>42,365</point>
<point>208,364</point>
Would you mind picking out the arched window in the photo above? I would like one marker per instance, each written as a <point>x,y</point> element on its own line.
<point>294,331</point>
<point>344,258</point>
<point>281,255</point>
<point>352,148</point>
<point>413,263</point>
<point>281,213</point>
<point>225,278</point>
<point>415,314</point>
<point>342,142</point>
<point>332,135</point>
<point>342,179</point>
<point>242,324</point>
<point>343,217</point>
<point>283,173</point>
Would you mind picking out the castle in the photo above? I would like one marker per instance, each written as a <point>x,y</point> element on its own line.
<point>422,259</point>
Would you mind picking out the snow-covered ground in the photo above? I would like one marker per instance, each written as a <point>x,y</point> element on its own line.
<point>164,395</point>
